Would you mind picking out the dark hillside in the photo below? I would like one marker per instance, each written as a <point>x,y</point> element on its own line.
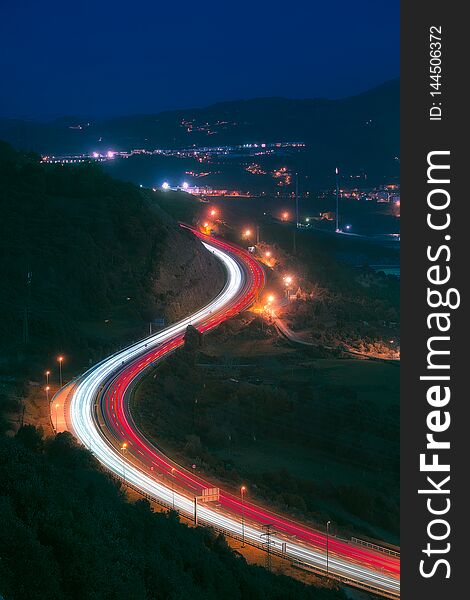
<point>68,533</point>
<point>83,261</point>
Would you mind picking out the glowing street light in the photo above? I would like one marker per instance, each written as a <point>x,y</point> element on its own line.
<point>270,299</point>
<point>47,373</point>
<point>123,450</point>
<point>242,491</point>
<point>47,388</point>
<point>288,280</point>
<point>185,185</point>
<point>165,186</point>
<point>60,360</point>
<point>173,471</point>
<point>247,233</point>
<point>267,254</point>
<point>213,212</point>
<point>327,544</point>
<point>285,215</point>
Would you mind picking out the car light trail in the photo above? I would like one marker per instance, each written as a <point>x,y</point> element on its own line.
<point>98,413</point>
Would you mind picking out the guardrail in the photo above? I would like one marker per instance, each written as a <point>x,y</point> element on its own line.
<point>383,549</point>
<point>260,546</point>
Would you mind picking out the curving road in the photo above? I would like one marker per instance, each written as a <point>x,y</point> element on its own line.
<point>95,407</point>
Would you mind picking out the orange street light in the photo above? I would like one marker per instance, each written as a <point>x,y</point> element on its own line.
<point>213,212</point>
<point>271,298</point>
<point>247,233</point>
<point>123,449</point>
<point>47,388</point>
<point>60,360</point>
<point>173,470</point>
<point>47,373</point>
<point>242,491</point>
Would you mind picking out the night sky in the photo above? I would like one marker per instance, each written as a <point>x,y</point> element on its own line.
<point>106,58</point>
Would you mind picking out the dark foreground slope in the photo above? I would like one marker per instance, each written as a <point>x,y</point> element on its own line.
<point>67,533</point>
<point>84,263</point>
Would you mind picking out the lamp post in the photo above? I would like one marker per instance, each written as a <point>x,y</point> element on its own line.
<point>242,491</point>
<point>60,360</point>
<point>47,373</point>
<point>327,542</point>
<point>47,388</point>
<point>287,282</point>
<point>173,470</point>
<point>123,449</point>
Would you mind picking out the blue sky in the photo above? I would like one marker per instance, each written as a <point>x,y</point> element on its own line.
<point>113,58</point>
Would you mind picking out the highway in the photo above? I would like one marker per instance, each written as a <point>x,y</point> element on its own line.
<point>95,408</point>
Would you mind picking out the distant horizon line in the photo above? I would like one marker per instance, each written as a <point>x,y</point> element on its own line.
<point>52,119</point>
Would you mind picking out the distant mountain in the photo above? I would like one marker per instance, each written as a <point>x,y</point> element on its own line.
<point>361,132</point>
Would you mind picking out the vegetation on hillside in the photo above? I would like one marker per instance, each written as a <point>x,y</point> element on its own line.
<point>75,247</point>
<point>314,438</point>
<point>68,533</point>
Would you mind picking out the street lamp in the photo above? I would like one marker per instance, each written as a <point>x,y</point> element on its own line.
<point>173,470</point>
<point>247,233</point>
<point>47,388</point>
<point>242,491</point>
<point>288,279</point>
<point>60,360</point>
<point>327,542</point>
<point>47,373</point>
<point>123,449</point>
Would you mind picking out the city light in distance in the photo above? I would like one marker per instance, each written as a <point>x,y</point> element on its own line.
<point>267,253</point>
<point>288,279</point>
<point>165,186</point>
<point>185,185</point>
<point>213,212</point>
<point>270,298</point>
<point>285,215</point>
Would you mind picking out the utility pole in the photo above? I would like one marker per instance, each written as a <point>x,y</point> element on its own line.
<point>337,199</point>
<point>296,200</point>
<point>29,278</point>
<point>267,543</point>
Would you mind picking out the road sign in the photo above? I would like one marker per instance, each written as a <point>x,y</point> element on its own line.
<point>210,495</point>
